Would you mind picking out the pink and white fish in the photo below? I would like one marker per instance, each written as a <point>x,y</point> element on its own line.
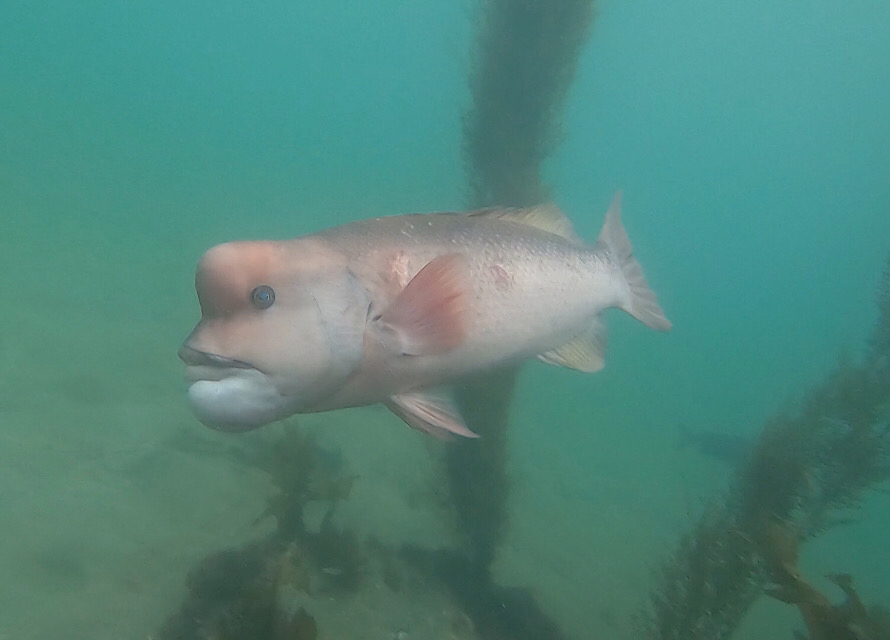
<point>398,309</point>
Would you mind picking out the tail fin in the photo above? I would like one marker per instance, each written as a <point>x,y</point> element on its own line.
<point>640,302</point>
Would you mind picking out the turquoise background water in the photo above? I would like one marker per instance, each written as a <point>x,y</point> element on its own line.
<point>751,141</point>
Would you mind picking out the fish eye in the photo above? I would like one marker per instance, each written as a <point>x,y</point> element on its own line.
<point>262,297</point>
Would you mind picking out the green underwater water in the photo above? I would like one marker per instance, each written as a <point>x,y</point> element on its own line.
<point>752,143</point>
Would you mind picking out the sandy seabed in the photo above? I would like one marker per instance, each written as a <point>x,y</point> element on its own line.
<point>112,492</point>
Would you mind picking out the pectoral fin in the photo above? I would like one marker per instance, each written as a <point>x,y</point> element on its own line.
<point>430,411</point>
<point>431,314</point>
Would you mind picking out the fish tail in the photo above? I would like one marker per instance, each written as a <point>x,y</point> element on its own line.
<point>639,300</point>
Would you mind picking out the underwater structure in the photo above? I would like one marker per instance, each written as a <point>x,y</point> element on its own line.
<point>806,471</point>
<point>526,58</point>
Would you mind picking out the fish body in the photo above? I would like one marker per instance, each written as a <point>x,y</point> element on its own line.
<point>398,309</point>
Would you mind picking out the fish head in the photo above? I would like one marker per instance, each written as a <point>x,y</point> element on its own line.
<point>281,328</point>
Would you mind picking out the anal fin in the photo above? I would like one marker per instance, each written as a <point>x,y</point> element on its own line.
<point>585,353</point>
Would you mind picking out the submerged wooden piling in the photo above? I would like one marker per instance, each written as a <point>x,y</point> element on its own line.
<point>525,60</point>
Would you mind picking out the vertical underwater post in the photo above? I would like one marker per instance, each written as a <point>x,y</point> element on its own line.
<point>525,60</point>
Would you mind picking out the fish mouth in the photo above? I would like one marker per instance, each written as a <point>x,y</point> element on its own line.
<point>195,358</point>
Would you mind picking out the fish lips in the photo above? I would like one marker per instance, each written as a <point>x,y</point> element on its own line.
<point>196,358</point>
<point>228,394</point>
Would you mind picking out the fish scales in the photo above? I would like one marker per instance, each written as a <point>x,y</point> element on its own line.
<point>516,272</point>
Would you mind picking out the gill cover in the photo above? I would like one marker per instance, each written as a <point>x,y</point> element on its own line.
<point>325,344</point>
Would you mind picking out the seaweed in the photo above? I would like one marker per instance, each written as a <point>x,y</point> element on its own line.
<point>297,468</point>
<point>237,594</point>
<point>234,595</point>
<point>808,472</point>
<point>824,620</point>
<point>339,555</point>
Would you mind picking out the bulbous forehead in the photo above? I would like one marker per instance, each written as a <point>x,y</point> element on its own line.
<point>227,274</point>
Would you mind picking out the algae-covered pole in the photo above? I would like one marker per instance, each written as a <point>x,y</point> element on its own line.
<point>807,466</point>
<point>526,55</point>
<point>476,469</point>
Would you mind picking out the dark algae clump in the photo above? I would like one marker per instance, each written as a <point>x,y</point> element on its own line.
<point>239,594</point>
<point>497,612</point>
<point>233,595</point>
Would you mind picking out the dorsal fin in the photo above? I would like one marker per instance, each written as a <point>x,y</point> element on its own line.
<point>546,217</point>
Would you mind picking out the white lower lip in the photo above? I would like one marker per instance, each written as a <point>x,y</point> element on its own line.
<point>234,399</point>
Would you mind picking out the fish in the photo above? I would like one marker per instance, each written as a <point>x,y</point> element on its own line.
<point>728,448</point>
<point>398,310</point>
